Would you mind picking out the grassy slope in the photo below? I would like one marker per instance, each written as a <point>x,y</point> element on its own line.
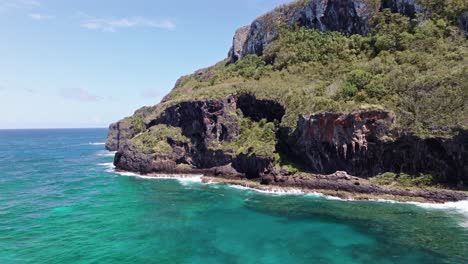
<point>419,72</point>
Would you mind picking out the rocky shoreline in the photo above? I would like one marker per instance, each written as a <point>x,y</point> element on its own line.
<point>328,146</point>
<point>339,185</point>
<point>236,133</point>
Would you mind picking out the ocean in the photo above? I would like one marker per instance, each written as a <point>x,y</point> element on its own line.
<point>62,202</point>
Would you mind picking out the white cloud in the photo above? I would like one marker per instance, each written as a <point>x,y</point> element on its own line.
<point>79,94</point>
<point>112,25</point>
<point>18,4</point>
<point>37,16</point>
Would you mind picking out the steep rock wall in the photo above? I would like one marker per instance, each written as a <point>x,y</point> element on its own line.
<point>358,144</point>
<point>346,16</point>
<point>119,133</point>
<point>206,123</point>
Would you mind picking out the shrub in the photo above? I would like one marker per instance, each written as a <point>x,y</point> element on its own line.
<point>155,139</point>
<point>403,180</point>
<point>349,90</point>
<point>255,138</point>
<point>416,70</point>
<point>137,124</point>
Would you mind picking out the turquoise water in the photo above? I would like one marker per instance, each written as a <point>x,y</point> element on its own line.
<point>60,203</point>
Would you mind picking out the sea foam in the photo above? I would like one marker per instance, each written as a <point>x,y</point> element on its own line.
<point>184,179</point>
<point>97,143</point>
<point>108,165</point>
<point>106,153</point>
<point>457,207</point>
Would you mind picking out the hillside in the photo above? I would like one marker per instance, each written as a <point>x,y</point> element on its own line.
<point>314,87</point>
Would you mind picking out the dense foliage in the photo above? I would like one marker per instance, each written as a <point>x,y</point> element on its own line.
<point>416,69</point>
<point>255,138</point>
<point>155,139</point>
<point>402,180</point>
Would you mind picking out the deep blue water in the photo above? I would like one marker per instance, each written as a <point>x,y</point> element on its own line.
<point>61,203</point>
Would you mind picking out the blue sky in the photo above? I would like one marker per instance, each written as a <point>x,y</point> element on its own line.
<point>87,63</point>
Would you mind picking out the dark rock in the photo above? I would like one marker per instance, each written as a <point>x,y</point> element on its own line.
<point>119,133</point>
<point>252,166</point>
<point>463,22</point>
<point>206,123</point>
<point>226,171</point>
<point>354,143</point>
<point>257,110</point>
<point>409,8</point>
<point>267,180</point>
<point>331,183</point>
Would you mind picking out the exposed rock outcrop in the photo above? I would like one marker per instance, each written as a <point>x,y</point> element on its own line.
<point>409,8</point>
<point>340,184</point>
<point>206,123</point>
<point>240,37</point>
<point>358,143</point>
<point>346,16</point>
<point>119,133</point>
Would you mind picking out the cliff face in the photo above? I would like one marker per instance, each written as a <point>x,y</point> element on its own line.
<point>324,143</point>
<point>346,16</point>
<point>358,143</point>
<point>206,124</point>
<point>232,126</point>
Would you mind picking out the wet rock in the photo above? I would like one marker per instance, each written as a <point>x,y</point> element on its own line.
<point>267,180</point>
<point>252,166</point>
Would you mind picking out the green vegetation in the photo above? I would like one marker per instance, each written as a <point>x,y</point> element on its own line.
<point>416,68</point>
<point>137,124</point>
<point>402,180</point>
<point>446,9</point>
<point>419,71</point>
<point>155,140</point>
<point>257,138</point>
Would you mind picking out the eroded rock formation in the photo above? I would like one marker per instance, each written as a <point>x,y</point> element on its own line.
<point>206,123</point>
<point>362,143</point>
<point>346,16</point>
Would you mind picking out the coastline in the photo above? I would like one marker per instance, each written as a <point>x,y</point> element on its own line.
<point>327,186</point>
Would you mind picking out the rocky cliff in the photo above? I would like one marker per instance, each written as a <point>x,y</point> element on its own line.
<point>358,143</point>
<point>249,119</point>
<point>346,16</point>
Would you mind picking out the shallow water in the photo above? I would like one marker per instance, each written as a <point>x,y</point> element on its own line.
<point>60,203</point>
